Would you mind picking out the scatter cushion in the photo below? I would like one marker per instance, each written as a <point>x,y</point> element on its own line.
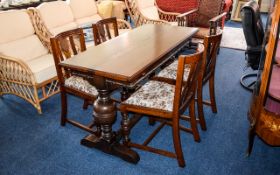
<point>171,71</point>
<point>43,68</point>
<point>153,94</point>
<point>57,16</point>
<point>83,8</point>
<point>105,9</point>
<point>15,24</point>
<point>80,84</point>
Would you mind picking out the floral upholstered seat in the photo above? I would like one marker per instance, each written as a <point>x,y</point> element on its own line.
<point>80,84</point>
<point>170,71</point>
<point>153,94</point>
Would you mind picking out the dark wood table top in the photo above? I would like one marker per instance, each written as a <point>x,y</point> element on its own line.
<point>127,57</point>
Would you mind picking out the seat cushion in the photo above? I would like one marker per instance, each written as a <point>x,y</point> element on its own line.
<point>43,68</point>
<point>15,24</point>
<point>142,4</point>
<point>202,32</point>
<point>55,14</point>
<point>24,49</point>
<point>153,94</point>
<point>62,28</point>
<point>80,84</point>
<point>171,71</point>
<point>83,8</point>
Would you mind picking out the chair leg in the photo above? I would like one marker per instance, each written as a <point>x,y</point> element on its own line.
<point>63,108</point>
<point>200,108</point>
<point>193,121</point>
<point>152,122</point>
<point>125,128</point>
<point>251,137</point>
<point>177,142</point>
<point>212,93</point>
<point>85,105</point>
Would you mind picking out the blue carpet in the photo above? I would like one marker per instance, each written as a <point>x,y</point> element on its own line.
<point>37,144</point>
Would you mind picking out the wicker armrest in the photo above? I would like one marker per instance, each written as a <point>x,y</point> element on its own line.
<point>187,13</point>
<point>217,18</point>
<point>40,28</point>
<point>14,69</point>
<point>123,24</point>
<point>167,16</point>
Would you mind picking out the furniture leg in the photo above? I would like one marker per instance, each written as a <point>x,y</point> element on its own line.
<point>193,121</point>
<point>63,118</point>
<point>125,128</point>
<point>212,93</point>
<point>251,137</point>
<point>105,115</point>
<point>177,142</point>
<point>200,106</point>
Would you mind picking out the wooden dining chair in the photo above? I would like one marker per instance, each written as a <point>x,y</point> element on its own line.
<point>104,30</point>
<point>166,102</point>
<point>211,44</point>
<point>64,46</point>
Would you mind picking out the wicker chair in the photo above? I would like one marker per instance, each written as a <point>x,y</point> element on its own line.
<point>71,83</point>
<point>146,11</point>
<point>52,18</point>
<point>208,17</point>
<point>27,69</point>
<point>211,44</point>
<point>166,102</point>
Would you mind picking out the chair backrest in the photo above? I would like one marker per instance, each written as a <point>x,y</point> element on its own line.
<point>179,6</point>
<point>253,32</point>
<point>212,45</point>
<point>208,9</point>
<point>64,46</point>
<point>104,30</point>
<point>17,36</point>
<point>186,90</point>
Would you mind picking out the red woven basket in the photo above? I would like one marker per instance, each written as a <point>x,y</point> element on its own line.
<point>179,6</point>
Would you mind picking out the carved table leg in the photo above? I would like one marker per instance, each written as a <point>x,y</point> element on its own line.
<point>105,116</point>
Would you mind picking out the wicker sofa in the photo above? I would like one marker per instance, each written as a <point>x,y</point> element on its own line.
<point>52,18</point>
<point>26,67</point>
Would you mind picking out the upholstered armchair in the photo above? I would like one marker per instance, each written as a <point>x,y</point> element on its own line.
<point>207,16</point>
<point>146,11</point>
<point>27,70</point>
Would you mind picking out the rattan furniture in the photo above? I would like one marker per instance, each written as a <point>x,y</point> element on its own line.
<point>125,60</point>
<point>207,74</point>
<point>146,12</point>
<point>208,17</point>
<point>26,67</point>
<point>166,102</point>
<point>52,18</point>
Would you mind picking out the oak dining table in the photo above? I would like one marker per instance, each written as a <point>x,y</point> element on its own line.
<point>125,60</point>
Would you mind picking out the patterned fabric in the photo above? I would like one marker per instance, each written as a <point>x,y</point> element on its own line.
<point>153,94</point>
<point>171,71</point>
<point>179,6</point>
<point>80,84</point>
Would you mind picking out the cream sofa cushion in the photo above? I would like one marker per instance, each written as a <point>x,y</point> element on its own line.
<point>142,4</point>
<point>83,8</point>
<point>43,68</point>
<point>25,49</point>
<point>118,8</point>
<point>148,9</point>
<point>56,14</point>
<point>15,24</point>
<point>63,28</point>
<point>150,12</point>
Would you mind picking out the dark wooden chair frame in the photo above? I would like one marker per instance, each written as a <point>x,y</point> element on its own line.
<point>184,97</point>
<point>63,46</point>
